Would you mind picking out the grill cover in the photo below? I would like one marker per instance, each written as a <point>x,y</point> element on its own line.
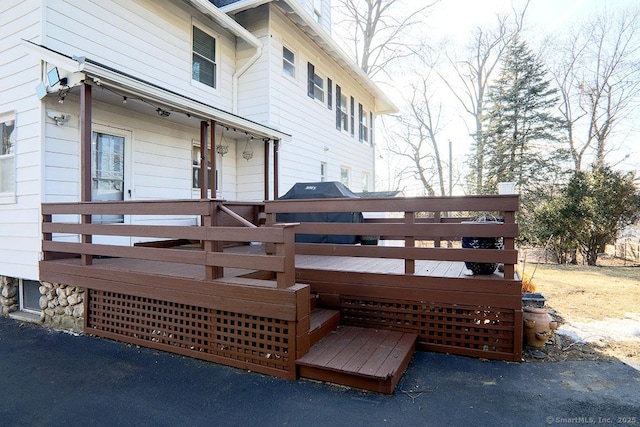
<point>321,190</point>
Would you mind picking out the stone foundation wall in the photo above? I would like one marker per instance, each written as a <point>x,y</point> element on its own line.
<point>8,295</point>
<point>62,306</point>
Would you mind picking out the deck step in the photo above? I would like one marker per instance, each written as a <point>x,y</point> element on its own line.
<point>364,358</point>
<point>323,321</point>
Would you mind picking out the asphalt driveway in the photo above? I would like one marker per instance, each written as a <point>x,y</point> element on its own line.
<point>51,378</point>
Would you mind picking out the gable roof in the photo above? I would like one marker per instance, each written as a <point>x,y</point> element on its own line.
<point>305,22</point>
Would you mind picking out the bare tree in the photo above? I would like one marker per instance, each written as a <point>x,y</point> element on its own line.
<point>414,138</point>
<point>374,29</point>
<point>598,74</point>
<point>470,78</point>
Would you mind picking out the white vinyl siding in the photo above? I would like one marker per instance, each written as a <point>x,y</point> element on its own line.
<point>151,40</point>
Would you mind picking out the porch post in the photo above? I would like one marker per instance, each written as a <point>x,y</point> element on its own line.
<point>266,170</point>
<point>214,164</point>
<point>85,161</point>
<point>203,160</point>
<point>276,147</point>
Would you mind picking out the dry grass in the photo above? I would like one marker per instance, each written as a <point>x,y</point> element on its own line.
<point>583,293</point>
<point>579,293</point>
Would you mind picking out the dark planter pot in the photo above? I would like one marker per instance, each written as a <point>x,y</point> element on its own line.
<point>482,243</point>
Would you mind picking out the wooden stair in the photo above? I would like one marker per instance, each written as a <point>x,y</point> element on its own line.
<point>364,358</point>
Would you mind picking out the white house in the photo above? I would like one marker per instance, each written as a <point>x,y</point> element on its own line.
<point>256,87</point>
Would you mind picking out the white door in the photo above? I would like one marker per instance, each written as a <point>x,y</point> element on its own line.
<point>110,175</point>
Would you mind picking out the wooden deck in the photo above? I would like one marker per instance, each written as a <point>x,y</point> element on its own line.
<point>250,306</point>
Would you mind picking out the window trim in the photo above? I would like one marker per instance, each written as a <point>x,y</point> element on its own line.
<point>216,61</point>
<point>9,197</point>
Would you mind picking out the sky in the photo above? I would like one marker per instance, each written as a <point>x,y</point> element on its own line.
<point>455,19</point>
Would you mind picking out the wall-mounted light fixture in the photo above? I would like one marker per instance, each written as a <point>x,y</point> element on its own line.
<point>54,77</point>
<point>58,117</point>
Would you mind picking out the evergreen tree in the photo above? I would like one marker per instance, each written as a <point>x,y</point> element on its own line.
<point>521,131</point>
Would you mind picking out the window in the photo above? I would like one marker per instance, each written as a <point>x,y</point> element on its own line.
<point>364,129</point>
<point>317,10</point>
<point>204,58</point>
<point>315,83</point>
<point>30,296</point>
<point>196,162</point>
<point>7,157</point>
<point>353,113</point>
<point>288,62</point>
<point>107,172</point>
<point>329,93</point>
<point>342,115</point>
<point>323,171</point>
<point>365,181</point>
<point>344,176</point>
<point>370,128</point>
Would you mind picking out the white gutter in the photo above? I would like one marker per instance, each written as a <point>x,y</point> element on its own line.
<point>206,7</point>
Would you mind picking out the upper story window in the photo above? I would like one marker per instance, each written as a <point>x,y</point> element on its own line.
<point>342,114</point>
<point>315,83</point>
<point>364,127</point>
<point>288,62</point>
<point>317,10</point>
<point>204,67</point>
<point>7,157</point>
<point>323,171</point>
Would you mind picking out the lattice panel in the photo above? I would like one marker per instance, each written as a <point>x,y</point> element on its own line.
<point>485,329</point>
<point>197,331</point>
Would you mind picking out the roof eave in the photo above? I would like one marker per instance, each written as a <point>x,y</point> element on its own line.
<point>384,105</point>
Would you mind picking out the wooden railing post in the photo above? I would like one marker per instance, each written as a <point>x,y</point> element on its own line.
<point>410,242</point>
<point>437,219</point>
<point>509,244</point>
<point>287,250</point>
<point>211,220</point>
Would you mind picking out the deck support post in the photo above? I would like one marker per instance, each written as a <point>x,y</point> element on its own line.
<point>213,155</point>
<point>204,193</point>
<point>276,147</point>
<point>266,170</point>
<point>85,160</point>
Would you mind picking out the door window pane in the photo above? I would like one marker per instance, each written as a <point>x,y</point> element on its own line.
<point>107,173</point>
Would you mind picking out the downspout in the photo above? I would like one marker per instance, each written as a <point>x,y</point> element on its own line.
<point>239,72</point>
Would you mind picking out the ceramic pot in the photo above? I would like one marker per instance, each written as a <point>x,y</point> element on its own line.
<point>539,326</point>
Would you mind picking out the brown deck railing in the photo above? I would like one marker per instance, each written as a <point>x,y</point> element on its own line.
<point>416,219</point>
<point>211,236</point>
<point>450,310</point>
